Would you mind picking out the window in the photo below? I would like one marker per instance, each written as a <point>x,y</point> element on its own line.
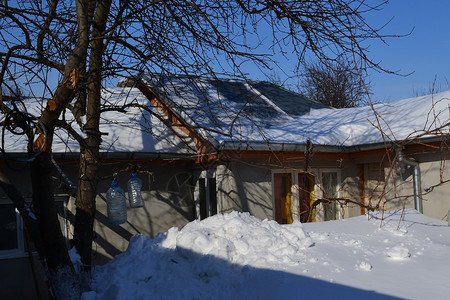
<point>206,195</point>
<point>10,231</point>
<point>212,196</point>
<point>12,234</point>
<point>294,193</point>
<point>306,182</point>
<point>329,182</point>
<point>202,198</point>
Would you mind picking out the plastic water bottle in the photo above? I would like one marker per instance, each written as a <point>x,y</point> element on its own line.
<point>134,191</point>
<point>116,204</point>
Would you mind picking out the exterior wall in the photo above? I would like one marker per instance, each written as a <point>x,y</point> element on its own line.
<point>166,206</point>
<point>396,188</point>
<point>436,202</point>
<point>385,186</point>
<point>245,187</point>
<point>158,215</point>
<point>401,192</point>
<point>167,203</point>
<point>17,280</point>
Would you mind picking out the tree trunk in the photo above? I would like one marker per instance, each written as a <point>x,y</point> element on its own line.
<point>63,280</point>
<point>89,155</point>
<point>85,207</point>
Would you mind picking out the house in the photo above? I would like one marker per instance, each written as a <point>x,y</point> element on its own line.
<point>205,146</point>
<point>271,152</point>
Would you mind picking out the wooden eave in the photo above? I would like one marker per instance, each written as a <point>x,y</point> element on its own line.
<point>205,150</point>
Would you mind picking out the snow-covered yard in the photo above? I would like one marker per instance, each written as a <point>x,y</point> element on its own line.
<point>236,256</point>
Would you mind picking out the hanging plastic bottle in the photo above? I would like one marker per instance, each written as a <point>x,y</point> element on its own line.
<point>116,204</point>
<point>134,191</point>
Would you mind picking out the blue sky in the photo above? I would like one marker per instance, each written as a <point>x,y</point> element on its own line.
<point>426,52</point>
<point>423,51</point>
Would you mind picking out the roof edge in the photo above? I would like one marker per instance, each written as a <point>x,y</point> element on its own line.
<point>301,147</point>
<point>122,155</point>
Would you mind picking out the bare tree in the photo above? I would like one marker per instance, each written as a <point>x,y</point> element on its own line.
<point>90,43</point>
<point>337,84</point>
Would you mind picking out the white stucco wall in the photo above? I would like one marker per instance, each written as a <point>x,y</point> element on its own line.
<point>245,187</point>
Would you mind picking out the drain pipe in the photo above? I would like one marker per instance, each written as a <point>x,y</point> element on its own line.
<point>416,179</point>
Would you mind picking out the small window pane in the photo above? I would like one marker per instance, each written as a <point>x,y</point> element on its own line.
<point>202,196</point>
<point>8,227</point>
<point>306,196</point>
<point>329,182</point>
<point>212,196</point>
<point>330,188</point>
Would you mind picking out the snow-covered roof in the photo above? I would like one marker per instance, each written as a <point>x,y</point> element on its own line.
<point>235,111</point>
<point>134,131</point>
<point>228,109</point>
<point>405,119</point>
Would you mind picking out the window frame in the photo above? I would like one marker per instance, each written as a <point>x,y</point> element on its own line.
<point>318,192</point>
<point>21,250</point>
<point>205,195</point>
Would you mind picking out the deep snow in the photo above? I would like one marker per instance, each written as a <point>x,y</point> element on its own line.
<point>237,256</point>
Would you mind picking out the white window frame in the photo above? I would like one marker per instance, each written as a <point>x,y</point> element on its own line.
<point>318,191</point>
<point>21,251</point>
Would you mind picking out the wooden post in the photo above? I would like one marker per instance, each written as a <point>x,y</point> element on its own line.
<point>361,188</point>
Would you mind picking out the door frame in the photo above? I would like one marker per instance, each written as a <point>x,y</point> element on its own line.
<point>317,190</point>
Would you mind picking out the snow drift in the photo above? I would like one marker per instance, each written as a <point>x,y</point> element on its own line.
<point>236,256</point>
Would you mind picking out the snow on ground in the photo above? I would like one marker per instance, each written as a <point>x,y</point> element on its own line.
<point>237,256</point>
